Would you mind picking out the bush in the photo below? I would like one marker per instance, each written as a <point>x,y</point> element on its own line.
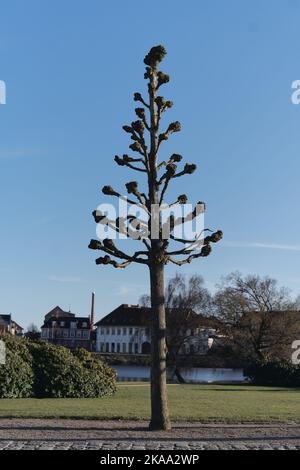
<point>274,373</point>
<point>42,370</point>
<point>16,376</point>
<point>100,378</point>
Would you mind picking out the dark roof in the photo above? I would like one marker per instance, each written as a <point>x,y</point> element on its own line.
<point>79,321</point>
<point>135,315</point>
<point>58,313</point>
<point>8,320</point>
<point>127,315</point>
<point>5,318</point>
<point>17,324</point>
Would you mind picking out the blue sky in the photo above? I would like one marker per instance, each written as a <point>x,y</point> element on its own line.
<point>71,68</point>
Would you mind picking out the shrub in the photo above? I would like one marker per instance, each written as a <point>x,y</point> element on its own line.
<point>61,374</point>
<point>16,376</point>
<point>274,373</point>
<point>42,370</point>
<point>100,378</point>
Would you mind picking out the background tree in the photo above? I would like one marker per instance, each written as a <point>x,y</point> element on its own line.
<point>33,332</point>
<point>297,303</point>
<point>258,315</point>
<point>158,249</point>
<point>185,293</point>
<point>188,304</point>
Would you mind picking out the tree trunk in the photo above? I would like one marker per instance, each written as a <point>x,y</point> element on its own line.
<point>159,402</point>
<point>178,375</point>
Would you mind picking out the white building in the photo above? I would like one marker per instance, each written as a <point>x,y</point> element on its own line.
<point>126,330</point>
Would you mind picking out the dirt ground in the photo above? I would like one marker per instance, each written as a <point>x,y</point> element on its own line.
<point>67,434</point>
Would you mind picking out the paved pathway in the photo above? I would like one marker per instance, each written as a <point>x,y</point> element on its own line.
<point>27,434</point>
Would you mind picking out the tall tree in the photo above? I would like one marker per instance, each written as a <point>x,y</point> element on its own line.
<point>259,317</point>
<point>188,306</point>
<point>158,250</point>
<point>239,294</point>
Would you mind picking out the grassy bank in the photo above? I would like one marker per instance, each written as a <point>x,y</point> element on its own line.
<point>205,403</point>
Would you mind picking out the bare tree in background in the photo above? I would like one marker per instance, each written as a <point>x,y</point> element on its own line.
<point>185,293</point>
<point>33,332</point>
<point>157,250</point>
<point>259,316</point>
<point>297,303</point>
<point>188,304</point>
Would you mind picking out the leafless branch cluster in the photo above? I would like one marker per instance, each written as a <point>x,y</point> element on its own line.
<point>147,139</point>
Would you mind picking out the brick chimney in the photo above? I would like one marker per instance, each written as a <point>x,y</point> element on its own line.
<point>93,311</point>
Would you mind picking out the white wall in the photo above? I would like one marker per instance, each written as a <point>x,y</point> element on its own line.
<point>134,335</point>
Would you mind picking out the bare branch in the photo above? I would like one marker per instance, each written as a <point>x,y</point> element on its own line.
<point>122,162</point>
<point>107,260</point>
<point>189,169</point>
<point>206,250</point>
<point>173,127</point>
<point>108,247</point>
<point>109,191</point>
<point>175,158</point>
<point>138,97</point>
<point>214,238</point>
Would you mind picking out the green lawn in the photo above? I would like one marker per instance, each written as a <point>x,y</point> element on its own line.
<point>205,403</point>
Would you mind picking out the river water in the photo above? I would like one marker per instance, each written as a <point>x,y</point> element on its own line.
<point>190,375</point>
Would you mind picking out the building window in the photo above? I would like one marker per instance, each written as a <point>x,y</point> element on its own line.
<point>112,347</point>
<point>130,348</point>
<point>124,348</point>
<point>78,334</point>
<point>107,347</point>
<point>136,331</point>
<point>125,331</point>
<point>136,348</point>
<point>102,331</point>
<point>118,347</point>
<point>130,331</point>
<point>72,334</point>
<point>65,333</point>
<point>119,331</point>
<point>62,324</point>
<point>86,334</point>
<point>107,331</point>
<point>113,331</point>
<point>84,324</point>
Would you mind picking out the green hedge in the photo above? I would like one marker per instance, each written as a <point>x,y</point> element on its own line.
<point>274,373</point>
<point>42,370</point>
<point>16,376</point>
